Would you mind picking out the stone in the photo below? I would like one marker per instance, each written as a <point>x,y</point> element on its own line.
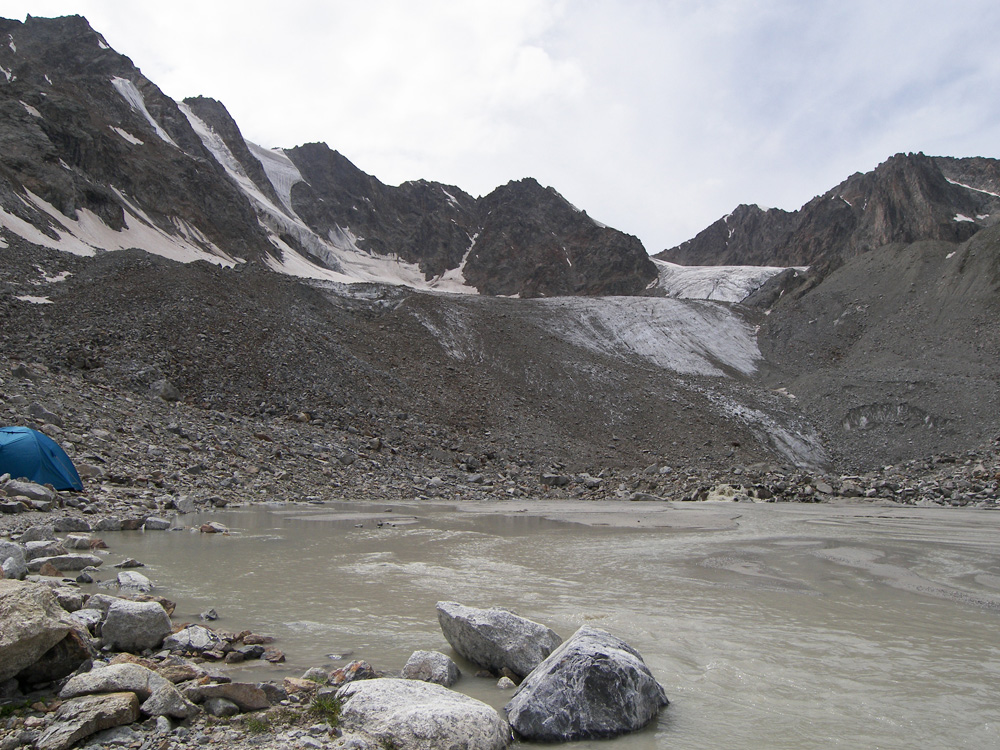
<point>420,716</point>
<point>108,524</point>
<point>135,626</point>
<point>82,717</point>
<point>70,598</point>
<point>356,670</point>
<point>505,683</point>
<point>77,541</point>
<point>220,707</point>
<point>115,678</point>
<point>39,412</point>
<point>43,548</point>
<point>12,560</point>
<point>71,523</point>
<point>30,490</point>
<point>593,686</point>
<point>155,523</point>
<point>193,638</point>
<point>31,622</point>
<point>165,390</point>
<point>167,700</point>
<point>178,670</point>
<point>130,582</point>
<point>61,660</point>
<point>66,562</point>
<point>86,618</point>
<point>248,697</point>
<point>38,533</point>
<point>102,602</point>
<point>496,638</point>
<point>431,666</point>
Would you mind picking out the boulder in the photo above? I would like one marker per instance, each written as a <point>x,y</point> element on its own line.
<point>420,716</point>
<point>135,626</point>
<point>431,666</point>
<point>61,660</point>
<point>115,678</point>
<point>82,717</point>
<point>356,670</point>
<point>193,638</point>
<point>130,582</point>
<point>248,697</point>
<point>30,624</point>
<point>43,548</point>
<point>12,560</point>
<point>30,490</point>
<point>496,638</point>
<point>65,562</point>
<point>37,533</point>
<point>155,523</point>
<point>71,523</point>
<point>167,700</point>
<point>593,686</point>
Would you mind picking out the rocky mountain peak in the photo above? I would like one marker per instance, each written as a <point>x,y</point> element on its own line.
<point>908,197</point>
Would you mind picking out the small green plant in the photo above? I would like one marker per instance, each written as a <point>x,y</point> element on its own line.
<point>257,724</point>
<point>10,709</point>
<point>326,707</point>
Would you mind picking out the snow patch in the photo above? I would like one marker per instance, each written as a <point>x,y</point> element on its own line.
<point>13,47</point>
<point>127,136</point>
<point>950,255</point>
<point>87,234</point>
<point>976,190</point>
<point>135,100</point>
<point>7,73</point>
<point>718,283</point>
<point>31,110</point>
<point>963,217</point>
<point>685,336</point>
<point>34,300</point>
<point>451,198</point>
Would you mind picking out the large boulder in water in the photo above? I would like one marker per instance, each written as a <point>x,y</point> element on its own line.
<point>31,622</point>
<point>414,715</point>
<point>496,638</point>
<point>593,686</point>
<point>135,626</point>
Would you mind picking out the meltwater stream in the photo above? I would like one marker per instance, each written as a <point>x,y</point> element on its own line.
<point>770,626</point>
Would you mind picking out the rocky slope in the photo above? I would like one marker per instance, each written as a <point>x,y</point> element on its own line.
<point>95,157</point>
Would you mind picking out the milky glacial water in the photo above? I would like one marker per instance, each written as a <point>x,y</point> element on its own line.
<point>770,626</point>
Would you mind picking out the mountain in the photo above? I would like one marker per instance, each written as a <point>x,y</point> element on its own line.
<point>95,157</point>
<point>907,198</point>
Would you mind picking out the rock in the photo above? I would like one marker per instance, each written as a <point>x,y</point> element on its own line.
<point>66,562</point>
<point>505,683</point>
<point>102,603</point>
<point>496,638</point>
<point>193,638</point>
<point>213,527</point>
<point>46,548</point>
<point>165,390</point>
<point>108,524</point>
<point>154,523</point>
<point>130,582</point>
<point>39,533</point>
<point>295,685</point>
<point>82,717</point>
<point>431,666</point>
<point>167,700</point>
<point>12,560</point>
<point>593,686</point>
<point>356,670</point>
<point>30,624</point>
<point>130,562</point>
<point>61,660</point>
<point>420,716</point>
<point>220,707</point>
<point>88,619</point>
<point>209,615</point>
<point>248,697</point>
<point>42,414</point>
<point>70,598</point>
<point>77,541</point>
<point>115,678</point>
<point>135,626</point>
<point>29,490</point>
<point>71,523</point>
<point>178,670</point>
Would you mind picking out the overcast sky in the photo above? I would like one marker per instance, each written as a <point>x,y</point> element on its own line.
<point>655,116</point>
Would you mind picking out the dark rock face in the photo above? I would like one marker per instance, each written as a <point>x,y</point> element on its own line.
<point>593,686</point>
<point>907,198</point>
<point>82,129</point>
<point>534,243</point>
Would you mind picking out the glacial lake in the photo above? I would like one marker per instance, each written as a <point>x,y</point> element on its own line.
<point>770,626</point>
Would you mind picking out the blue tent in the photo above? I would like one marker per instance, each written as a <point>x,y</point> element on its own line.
<point>30,454</point>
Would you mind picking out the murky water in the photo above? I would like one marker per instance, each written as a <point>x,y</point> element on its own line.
<point>769,626</point>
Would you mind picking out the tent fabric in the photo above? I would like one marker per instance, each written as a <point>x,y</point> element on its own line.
<point>30,454</point>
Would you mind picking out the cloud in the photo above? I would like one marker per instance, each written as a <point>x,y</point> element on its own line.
<point>656,117</point>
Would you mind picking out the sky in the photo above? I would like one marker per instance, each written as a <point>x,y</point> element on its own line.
<point>657,117</point>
